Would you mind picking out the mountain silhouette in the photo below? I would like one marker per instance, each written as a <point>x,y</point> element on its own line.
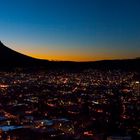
<point>10,58</point>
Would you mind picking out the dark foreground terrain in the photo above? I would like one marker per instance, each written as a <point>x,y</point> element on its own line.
<point>85,105</point>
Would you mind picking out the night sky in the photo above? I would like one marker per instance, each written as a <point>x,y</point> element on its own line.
<point>74,30</point>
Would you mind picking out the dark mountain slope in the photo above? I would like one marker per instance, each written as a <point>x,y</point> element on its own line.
<point>11,58</point>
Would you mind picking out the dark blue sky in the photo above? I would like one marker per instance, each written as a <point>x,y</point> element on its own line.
<point>72,29</point>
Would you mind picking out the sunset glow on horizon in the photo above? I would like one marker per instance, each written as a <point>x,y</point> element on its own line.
<point>75,55</point>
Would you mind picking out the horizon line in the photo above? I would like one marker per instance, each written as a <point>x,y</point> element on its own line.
<point>78,61</point>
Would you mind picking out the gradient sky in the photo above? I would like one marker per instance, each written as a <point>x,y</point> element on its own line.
<point>79,30</point>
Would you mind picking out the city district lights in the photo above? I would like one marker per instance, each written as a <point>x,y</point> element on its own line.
<point>137,82</point>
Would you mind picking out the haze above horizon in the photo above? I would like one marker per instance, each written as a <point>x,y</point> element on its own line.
<point>73,30</point>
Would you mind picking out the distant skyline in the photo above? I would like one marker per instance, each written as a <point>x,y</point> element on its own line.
<point>73,30</point>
